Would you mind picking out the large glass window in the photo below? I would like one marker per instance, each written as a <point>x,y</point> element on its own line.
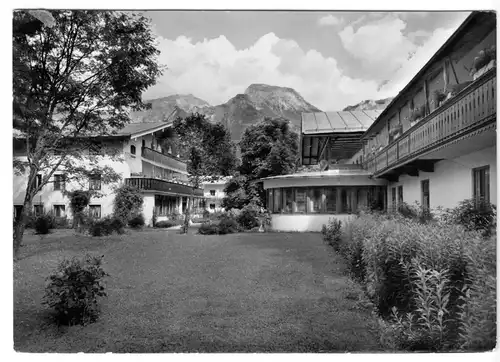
<point>288,200</point>
<point>300,200</point>
<point>277,200</point>
<point>270,200</point>
<point>315,200</point>
<point>331,200</point>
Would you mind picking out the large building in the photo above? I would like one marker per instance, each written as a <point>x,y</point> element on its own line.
<point>434,144</point>
<point>213,192</point>
<point>139,153</point>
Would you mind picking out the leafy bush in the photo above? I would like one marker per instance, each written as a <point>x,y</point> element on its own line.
<point>74,288</point>
<point>43,224</point>
<point>127,203</point>
<point>474,215</point>
<point>332,233</point>
<point>105,226</point>
<point>248,217</point>
<point>228,226</point>
<point>206,214</point>
<point>200,220</point>
<point>208,229</point>
<point>136,221</point>
<point>167,224</point>
<point>434,282</point>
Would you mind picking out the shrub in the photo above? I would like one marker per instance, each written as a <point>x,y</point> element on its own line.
<point>228,226</point>
<point>79,200</point>
<point>248,217</point>
<point>136,221</point>
<point>127,203</point>
<point>74,288</point>
<point>105,226</point>
<point>208,229</point>
<point>332,233</point>
<point>43,224</point>
<point>166,224</point>
<point>473,215</point>
<point>433,282</point>
<point>206,214</point>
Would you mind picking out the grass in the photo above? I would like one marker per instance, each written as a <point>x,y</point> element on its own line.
<point>192,293</point>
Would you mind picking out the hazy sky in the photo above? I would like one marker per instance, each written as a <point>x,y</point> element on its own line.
<point>332,59</point>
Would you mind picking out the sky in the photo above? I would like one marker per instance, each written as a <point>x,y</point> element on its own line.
<point>333,59</point>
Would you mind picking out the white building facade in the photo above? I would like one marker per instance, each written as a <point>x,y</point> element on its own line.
<point>139,157</point>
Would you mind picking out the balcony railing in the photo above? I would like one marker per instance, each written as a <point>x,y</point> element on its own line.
<point>152,184</point>
<point>469,110</point>
<point>163,159</point>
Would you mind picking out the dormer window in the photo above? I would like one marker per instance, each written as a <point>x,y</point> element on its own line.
<point>132,149</point>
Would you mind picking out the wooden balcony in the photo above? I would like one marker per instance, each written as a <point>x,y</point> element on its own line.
<point>166,160</point>
<point>152,184</point>
<point>472,110</point>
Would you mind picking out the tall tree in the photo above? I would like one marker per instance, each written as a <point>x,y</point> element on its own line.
<point>208,149</point>
<point>268,148</point>
<point>73,81</point>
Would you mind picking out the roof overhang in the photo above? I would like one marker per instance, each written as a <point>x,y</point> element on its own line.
<point>150,131</point>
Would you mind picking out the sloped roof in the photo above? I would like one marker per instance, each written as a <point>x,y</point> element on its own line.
<point>338,122</point>
<point>130,130</point>
<point>137,129</point>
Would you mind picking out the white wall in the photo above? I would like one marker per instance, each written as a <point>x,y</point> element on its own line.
<point>283,222</point>
<point>49,197</point>
<point>451,181</point>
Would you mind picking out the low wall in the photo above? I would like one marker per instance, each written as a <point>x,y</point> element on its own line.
<point>283,222</point>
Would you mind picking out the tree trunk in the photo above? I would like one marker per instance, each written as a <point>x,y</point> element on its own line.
<point>187,218</point>
<point>21,225</point>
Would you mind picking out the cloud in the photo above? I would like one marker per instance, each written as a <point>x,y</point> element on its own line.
<point>330,20</point>
<point>380,45</point>
<point>214,70</point>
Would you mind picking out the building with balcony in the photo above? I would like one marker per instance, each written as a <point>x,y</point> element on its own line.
<point>434,144</point>
<point>143,155</point>
<point>213,193</point>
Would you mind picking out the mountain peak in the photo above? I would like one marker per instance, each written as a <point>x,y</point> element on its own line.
<point>370,104</point>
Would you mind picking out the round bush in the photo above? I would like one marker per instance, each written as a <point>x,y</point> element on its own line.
<point>137,221</point>
<point>43,224</point>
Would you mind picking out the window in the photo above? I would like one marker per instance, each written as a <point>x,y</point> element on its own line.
<point>132,149</point>
<point>270,199</point>
<point>277,200</point>
<point>345,199</point>
<point>400,195</point>
<point>95,211</point>
<point>59,182</point>
<point>425,194</point>
<point>59,210</point>
<point>315,200</point>
<point>481,184</point>
<point>300,200</point>
<point>394,200</point>
<point>143,143</point>
<point>95,182</point>
<point>212,192</point>
<point>38,210</point>
<point>331,200</point>
<point>38,181</point>
<point>212,206</point>
<point>288,200</point>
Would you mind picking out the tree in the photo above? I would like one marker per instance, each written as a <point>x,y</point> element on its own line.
<point>73,82</point>
<point>208,149</point>
<point>268,148</point>
<point>239,191</point>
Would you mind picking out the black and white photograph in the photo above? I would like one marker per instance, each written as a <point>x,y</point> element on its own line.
<point>253,180</point>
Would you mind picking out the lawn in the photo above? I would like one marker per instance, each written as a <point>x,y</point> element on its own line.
<point>270,292</point>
